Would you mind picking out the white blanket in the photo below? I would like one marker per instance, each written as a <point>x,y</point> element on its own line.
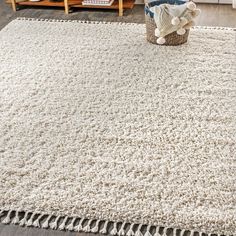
<point>171,18</point>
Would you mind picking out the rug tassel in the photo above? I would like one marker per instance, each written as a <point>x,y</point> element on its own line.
<point>16,219</point>
<point>174,232</point>
<point>45,224</point>
<point>130,231</point>
<point>182,232</point>
<point>165,231</point>
<point>24,219</point>
<point>191,232</point>
<point>157,233</point>
<point>122,229</point>
<point>138,232</point>
<point>1,212</point>
<point>87,228</point>
<point>37,221</point>
<point>63,224</point>
<point>30,221</point>
<point>104,229</point>
<point>70,227</point>
<point>96,227</point>
<point>148,232</point>
<point>35,218</point>
<point>53,225</point>
<point>114,230</point>
<point>118,23</point>
<point>7,219</point>
<point>79,227</point>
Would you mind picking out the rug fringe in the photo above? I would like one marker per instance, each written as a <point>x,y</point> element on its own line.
<point>70,227</point>
<point>36,219</point>
<point>87,228</point>
<point>148,231</point>
<point>214,27</point>
<point>117,23</point>
<point>30,221</point>
<point>121,232</point>
<point>62,226</point>
<point>76,21</point>
<point>23,221</point>
<point>104,229</point>
<point>54,225</point>
<point>16,219</point>
<point>7,219</point>
<point>79,227</point>
<point>45,224</point>
<point>130,231</point>
<point>174,232</point>
<point>95,229</point>
<point>157,231</point>
<point>36,223</point>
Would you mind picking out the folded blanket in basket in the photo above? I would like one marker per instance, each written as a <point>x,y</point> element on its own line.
<point>171,18</point>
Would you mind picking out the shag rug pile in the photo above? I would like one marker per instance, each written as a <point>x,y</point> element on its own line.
<point>103,132</point>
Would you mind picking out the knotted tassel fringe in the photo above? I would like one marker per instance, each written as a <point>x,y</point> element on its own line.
<point>23,221</point>
<point>63,224</point>
<point>165,231</point>
<point>7,220</point>
<point>30,221</point>
<point>157,233</point>
<point>91,225</point>
<point>104,229</point>
<point>138,231</point>
<point>148,231</point>
<point>16,219</point>
<point>114,230</point>
<point>36,223</point>
<point>79,227</point>
<point>87,228</point>
<point>95,229</point>
<point>53,225</point>
<point>122,229</point>
<point>130,231</point>
<point>45,224</point>
<point>174,232</point>
<point>70,227</point>
<point>182,232</point>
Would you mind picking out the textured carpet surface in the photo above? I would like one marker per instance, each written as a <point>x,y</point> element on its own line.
<point>98,123</point>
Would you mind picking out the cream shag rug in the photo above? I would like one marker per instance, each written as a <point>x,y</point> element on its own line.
<point>103,132</point>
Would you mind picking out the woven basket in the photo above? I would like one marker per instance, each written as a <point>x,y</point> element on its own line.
<point>172,39</point>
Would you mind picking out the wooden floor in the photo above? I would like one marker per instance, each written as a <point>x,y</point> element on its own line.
<point>212,15</point>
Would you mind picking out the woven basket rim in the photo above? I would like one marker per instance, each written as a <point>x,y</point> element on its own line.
<point>171,39</point>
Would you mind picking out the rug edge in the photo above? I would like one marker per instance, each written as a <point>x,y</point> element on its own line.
<point>88,225</point>
<point>116,23</point>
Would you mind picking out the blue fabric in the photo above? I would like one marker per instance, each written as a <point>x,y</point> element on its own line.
<point>159,2</point>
